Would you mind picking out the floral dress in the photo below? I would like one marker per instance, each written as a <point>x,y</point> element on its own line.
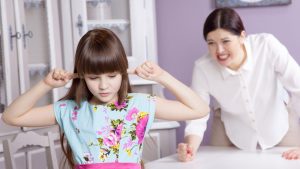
<point>111,133</point>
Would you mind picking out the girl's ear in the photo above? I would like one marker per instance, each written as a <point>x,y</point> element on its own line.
<point>243,37</point>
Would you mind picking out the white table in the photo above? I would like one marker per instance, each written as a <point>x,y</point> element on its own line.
<point>210,157</point>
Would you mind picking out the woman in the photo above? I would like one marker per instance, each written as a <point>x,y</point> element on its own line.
<point>248,77</point>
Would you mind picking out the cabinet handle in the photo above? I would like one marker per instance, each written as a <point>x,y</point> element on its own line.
<point>79,25</point>
<point>29,34</point>
<point>17,36</point>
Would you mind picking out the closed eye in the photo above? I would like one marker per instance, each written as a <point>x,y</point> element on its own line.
<point>92,78</point>
<point>112,75</point>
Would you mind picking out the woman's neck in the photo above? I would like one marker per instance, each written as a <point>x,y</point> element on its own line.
<point>240,60</point>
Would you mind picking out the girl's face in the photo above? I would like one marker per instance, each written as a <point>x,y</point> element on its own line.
<point>226,48</point>
<point>104,87</point>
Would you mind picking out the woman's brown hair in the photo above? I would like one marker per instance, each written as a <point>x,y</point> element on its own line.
<point>224,18</point>
<point>99,51</point>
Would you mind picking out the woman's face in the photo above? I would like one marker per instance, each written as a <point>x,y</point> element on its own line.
<point>104,87</point>
<point>226,48</point>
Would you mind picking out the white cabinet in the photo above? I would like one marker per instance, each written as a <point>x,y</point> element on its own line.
<point>161,140</point>
<point>31,45</point>
<point>132,20</point>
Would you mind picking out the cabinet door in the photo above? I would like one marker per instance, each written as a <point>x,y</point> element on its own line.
<point>39,48</point>
<point>30,43</point>
<point>9,81</point>
<point>132,20</point>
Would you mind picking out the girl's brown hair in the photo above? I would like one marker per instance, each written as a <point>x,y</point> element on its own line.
<point>98,51</point>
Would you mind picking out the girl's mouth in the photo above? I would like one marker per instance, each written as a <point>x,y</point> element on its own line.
<point>103,94</point>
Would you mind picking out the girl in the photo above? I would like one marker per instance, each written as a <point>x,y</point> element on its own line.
<point>249,77</point>
<point>103,122</point>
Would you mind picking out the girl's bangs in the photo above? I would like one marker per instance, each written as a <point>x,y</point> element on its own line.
<point>98,64</point>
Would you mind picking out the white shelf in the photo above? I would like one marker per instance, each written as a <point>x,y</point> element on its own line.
<point>135,80</point>
<point>162,124</point>
<point>34,3</point>
<point>120,24</point>
<point>98,1</point>
<point>39,68</point>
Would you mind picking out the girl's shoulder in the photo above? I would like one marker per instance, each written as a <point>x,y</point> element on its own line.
<point>66,102</point>
<point>140,99</point>
<point>69,104</point>
<point>139,96</point>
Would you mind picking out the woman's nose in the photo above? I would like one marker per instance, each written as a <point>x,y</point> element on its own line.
<point>220,48</point>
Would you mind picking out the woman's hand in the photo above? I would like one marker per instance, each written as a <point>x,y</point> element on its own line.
<point>293,154</point>
<point>58,78</point>
<point>185,152</point>
<point>149,71</point>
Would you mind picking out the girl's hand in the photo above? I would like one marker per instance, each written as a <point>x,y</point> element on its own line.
<point>149,71</point>
<point>292,154</point>
<point>58,78</point>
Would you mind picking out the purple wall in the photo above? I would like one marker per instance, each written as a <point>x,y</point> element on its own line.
<point>180,40</point>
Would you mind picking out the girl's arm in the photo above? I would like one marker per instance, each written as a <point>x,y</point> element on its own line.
<point>189,104</point>
<point>21,112</point>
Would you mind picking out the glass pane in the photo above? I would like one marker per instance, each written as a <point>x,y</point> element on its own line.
<point>36,43</point>
<point>112,14</point>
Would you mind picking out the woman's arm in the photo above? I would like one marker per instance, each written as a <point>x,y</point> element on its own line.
<point>189,104</point>
<point>21,112</point>
<point>286,69</point>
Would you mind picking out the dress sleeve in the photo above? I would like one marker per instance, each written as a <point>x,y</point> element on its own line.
<point>149,107</point>
<point>287,69</point>
<point>150,100</point>
<point>60,111</point>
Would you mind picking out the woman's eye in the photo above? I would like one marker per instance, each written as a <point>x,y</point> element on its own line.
<point>210,43</point>
<point>226,41</point>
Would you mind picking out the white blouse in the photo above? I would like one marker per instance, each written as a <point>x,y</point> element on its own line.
<point>253,99</point>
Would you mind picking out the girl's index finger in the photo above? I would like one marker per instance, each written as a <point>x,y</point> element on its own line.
<point>73,75</point>
<point>131,71</point>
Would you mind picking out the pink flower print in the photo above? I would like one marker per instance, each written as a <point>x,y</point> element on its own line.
<point>63,105</point>
<point>76,108</point>
<point>118,131</point>
<point>120,106</point>
<point>89,159</point>
<point>74,115</point>
<point>104,131</point>
<point>128,145</point>
<point>111,140</point>
<point>141,127</point>
<point>132,114</point>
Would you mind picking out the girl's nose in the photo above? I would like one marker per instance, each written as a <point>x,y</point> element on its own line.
<point>103,84</point>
